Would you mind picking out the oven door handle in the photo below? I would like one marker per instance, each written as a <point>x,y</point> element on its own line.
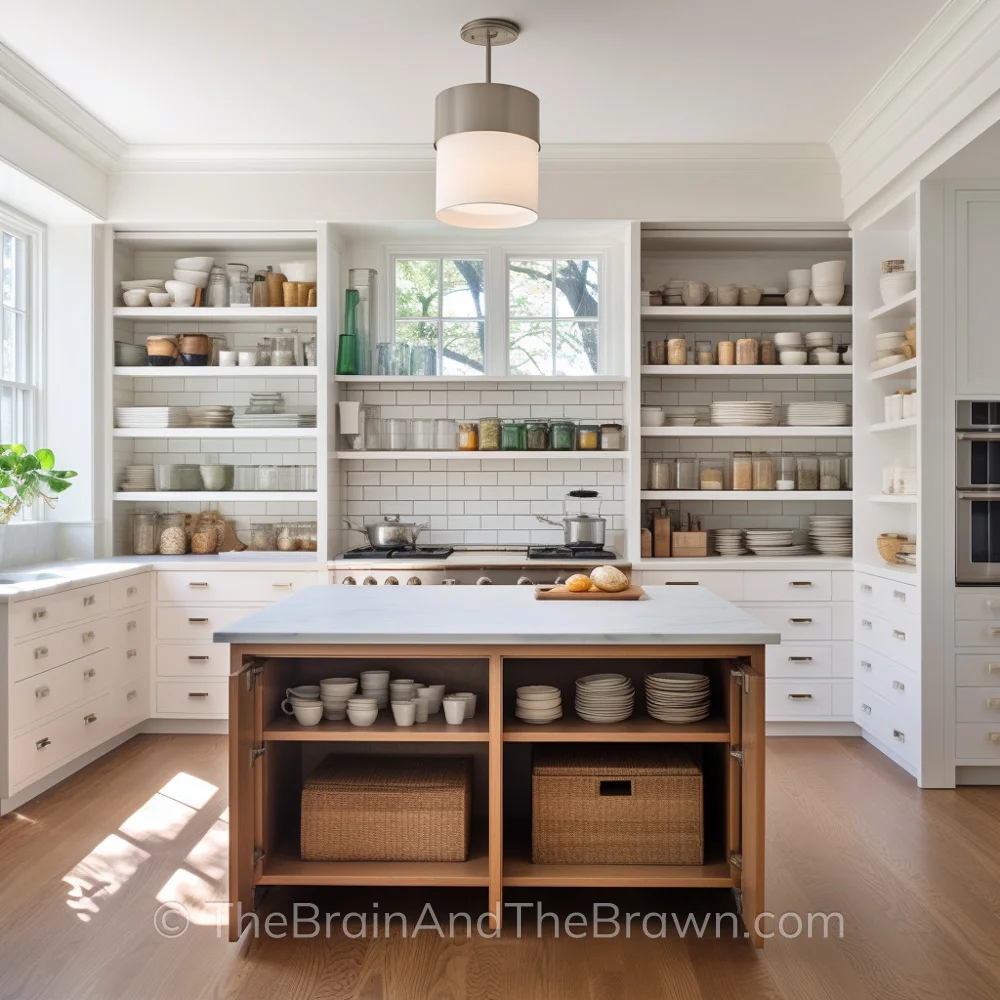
<point>993,494</point>
<point>979,435</point>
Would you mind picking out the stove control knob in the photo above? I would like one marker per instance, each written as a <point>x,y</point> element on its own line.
<point>370,581</point>
<point>523,581</point>
<point>391,581</point>
<point>414,581</point>
<point>349,581</point>
<point>449,583</point>
<point>484,581</point>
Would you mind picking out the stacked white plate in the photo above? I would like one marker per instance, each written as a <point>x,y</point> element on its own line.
<point>130,355</point>
<point>729,542</point>
<point>817,414</point>
<point>748,414</point>
<point>151,416</point>
<point>274,420</point>
<point>819,338</point>
<point>604,698</point>
<point>678,698</point>
<point>538,704</point>
<point>211,416</point>
<point>774,542</point>
<point>831,534</point>
<point>138,479</point>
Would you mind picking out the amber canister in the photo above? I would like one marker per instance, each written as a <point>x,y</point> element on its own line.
<point>275,295</point>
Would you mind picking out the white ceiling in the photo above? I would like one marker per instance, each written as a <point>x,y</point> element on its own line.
<point>329,71</point>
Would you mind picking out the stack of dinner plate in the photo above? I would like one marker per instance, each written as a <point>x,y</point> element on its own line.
<point>604,698</point>
<point>130,355</point>
<point>538,704</point>
<point>211,416</point>
<point>138,479</point>
<point>817,414</point>
<point>151,416</point>
<point>831,534</point>
<point>249,419</point>
<point>729,542</point>
<point>741,414</point>
<point>678,698</point>
<point>774,542</point>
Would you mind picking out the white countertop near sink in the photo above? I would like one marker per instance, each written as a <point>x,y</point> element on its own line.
<point>507,616</point>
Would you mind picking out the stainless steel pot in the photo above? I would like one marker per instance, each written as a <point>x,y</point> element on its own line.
<point>390,533</point>
<point>579,529</point>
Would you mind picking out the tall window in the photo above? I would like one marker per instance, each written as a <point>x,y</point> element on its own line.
<point>440,303</point>
<point>16,376</point>
<point>553,309</point>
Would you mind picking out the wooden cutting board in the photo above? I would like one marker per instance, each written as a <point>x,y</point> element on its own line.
<point>563,593</point>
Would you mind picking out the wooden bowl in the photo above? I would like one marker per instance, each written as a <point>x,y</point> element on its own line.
<point>890,546</point>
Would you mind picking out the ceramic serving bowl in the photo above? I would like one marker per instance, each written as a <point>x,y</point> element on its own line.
<point>136,297</point>
<point>362,716</point>
<point>197,278</point>
<point>182,292</point>
<point>788,338</point>
<point>897,284</point>
<point>298,270</point>
<point>652,416</point>
<point>828,272</point>
<point>797,297</point>
<point>727,295</point>
<point>194,263</point>
<point>159,299</point>
<point>824,357</point>
<point>308,715</point>
<point>750,296</point>
<point>146,283</point>
<point>792,357</point>
<point>828,295</point>
<point>342,687</point>
<point>695,293</point>
<point>800,277</point>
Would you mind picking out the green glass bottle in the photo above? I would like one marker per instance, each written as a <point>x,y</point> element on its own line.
<point>347,345</point>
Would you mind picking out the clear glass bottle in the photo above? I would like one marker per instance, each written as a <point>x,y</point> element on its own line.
<point>763,471</point>
<point>217,290</point>
<point>562,435</point>
<point>514,435</point>
<point>687,473</point>
<point>742,471</point>
<point>239,285</point>
<point>662,474</point>
<point>468,437</point>
<point>262,536</point>
<point>422,435</point>
<point>258,295</point>
<point>807,472</point>
<point>490,430</point>
<point>445,435</point>
<point>711,474</point>
<point>145,540</point>
<point>829,472</point>
<point>588,437</point>
<point>785,474</point>
<point>537,435</point>
<point>283,355</point>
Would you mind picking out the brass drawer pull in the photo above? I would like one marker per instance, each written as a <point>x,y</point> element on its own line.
<point>197,694</point>
<point>993,702</point>
<point>90,600</point>
<point>995,737</point>
<point>42,692</point>
<point>45,742</point>
<point>800,697</point>
<point>41,652</point>
<point>131,626</point>
<point>131,653</point>
<point>198,583</point>
<point>901,636</point>
<point>865,665</point>
<point>800,583</point>
<point>281,584</point>
<point>40,614</point>
<point>898,686</point>
<point>800,621</point>
<point>87,636</point>
<point>200,658</point>
<point>993,668</point>
<point>197,621</point>
<point>898,734</point>
<point>89,719</point>
<point>89,674</point>
<point>800,659</point>
<point>995,631</point>
<point>867,709</point>
<point>132,694</point>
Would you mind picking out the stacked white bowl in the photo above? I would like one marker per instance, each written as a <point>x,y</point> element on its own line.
<point>190,274</point>
<point>819,344</point>
<point>799,286</point>
<point>789,345</point>
<point>827,282</point>
<point>896,284</point>
<point>538,704</point>
<point>334,693</point>
<point>375,685</point>
<point>362,711</point>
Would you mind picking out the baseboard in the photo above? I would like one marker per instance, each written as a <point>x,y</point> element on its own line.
<point>212,727</point>
<point>973,774</point>
<point>888,751</point>
<point>52,779</point>
<point>812,729</point>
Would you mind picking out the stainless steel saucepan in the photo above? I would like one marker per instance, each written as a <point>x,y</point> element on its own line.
<point>390,533</point>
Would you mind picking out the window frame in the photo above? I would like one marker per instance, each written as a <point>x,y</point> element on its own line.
<point>32,435</point>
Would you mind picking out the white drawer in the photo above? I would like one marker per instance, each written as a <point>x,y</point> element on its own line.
<point>896,684</point>
<point>129,591</point>
<point>977,634</point>
<point>723,584</point>
<point>52,743</point>
<point>56,690</point>
<point>39,614</point>
<point>196,622</point>
<point>767,585</point>
<point>48,651</point>
<point>972,670</point>
<point>886,597</point>
<point>796,623</point>
<point>191,698</point>
<point>799,661</point>
<point>223,586</point>
<point>977,607</point>
<point>798,700</point>
<point>978,704</point>
<point>977,741</point>
<point>899,639</point>
<point>210,659</point>
<point>886,722</point>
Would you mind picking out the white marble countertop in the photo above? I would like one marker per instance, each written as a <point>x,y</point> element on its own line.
<point>508,616</point>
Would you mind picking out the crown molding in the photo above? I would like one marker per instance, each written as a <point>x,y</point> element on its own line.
<point>419,158</point>
<point>41,103</point>
<point>935,98</point>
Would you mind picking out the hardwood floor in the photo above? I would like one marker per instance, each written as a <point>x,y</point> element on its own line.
<point>916,875</point>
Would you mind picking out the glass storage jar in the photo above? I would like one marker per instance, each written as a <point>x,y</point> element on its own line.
<point>807,472</point>
<point>145,540</point>
<point>422,435</point>
<point>829,472</point>
<point>307,536</point>
<point>768,353</point>
<point>785,475</point>
<point>662,474</point>
<point>306,478</point>
<point>267,477</point>
<point>445,435</point>
<point>262,536</point>
<point>704,353</point>
<point>687,473</point>
<point>373,431</point>
<point>490,433</point>
<point>612,437</point>
<point>562,435</point>
<point>712,474</point>
<point>677,351</point>
<point>727,352</point>
<point>395,433</point>
<point>846,472</point>
<point>588,437</point>
<point>537,434</point>
<point>747,351</point>
<point>763,471</point>
<point>286,537</point>
<point>172,534</point>
<point>657,352</point>
<point>468,437</point>
<point>513,435</point>
<point>742,471</point>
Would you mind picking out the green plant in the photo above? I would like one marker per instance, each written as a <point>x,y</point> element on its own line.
<point>28,475</point>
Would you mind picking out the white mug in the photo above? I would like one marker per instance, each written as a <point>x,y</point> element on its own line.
<point>248,359</point>
<point>229,359</point>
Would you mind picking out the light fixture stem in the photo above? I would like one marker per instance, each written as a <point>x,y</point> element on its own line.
<point>489,56</point>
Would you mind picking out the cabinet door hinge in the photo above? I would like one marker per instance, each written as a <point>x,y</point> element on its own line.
<point>253,672</point>
<point>257,751</point>
<point>743,676</point>
<point>258,857</point>
<point>736,859</point>
<point>738,754</point>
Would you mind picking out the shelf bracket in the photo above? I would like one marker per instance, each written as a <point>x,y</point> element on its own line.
<point>736,860</point>
<point>257,751</point>
<point>737,754</point>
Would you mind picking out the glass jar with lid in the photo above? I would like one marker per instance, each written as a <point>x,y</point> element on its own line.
<point>712,474</point>
<point>395,433</point>
<point>468,437</point>
<point>763,471</point>
<point>742,471</point>
<point>687,473</point>
<point>588,437</point>
<point>445,434</point>
<point>172,534</point>
<point>784,472</point>
<point>704,352</point>
<point>490,433</point>
<point>145,539</point>
<point>537,434</point>
<point>612,437</point>
<point>846,472</point>
<point>662,474</point>
<point>307,536</point>
<point>513,435</point>
<point>287,537</point>
<point>562,435</point>
<point>807,472</point>
<point>262,536</point>
<point>422,434</point>
<point>829,472</point>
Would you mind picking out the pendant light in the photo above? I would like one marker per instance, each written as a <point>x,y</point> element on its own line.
<point>486,137</point>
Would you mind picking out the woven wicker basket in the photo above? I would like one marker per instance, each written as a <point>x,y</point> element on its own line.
<point>617,805</point>
<point>376,808</point>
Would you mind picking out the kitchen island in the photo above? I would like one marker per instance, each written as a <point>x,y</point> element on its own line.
<point>490,641</point>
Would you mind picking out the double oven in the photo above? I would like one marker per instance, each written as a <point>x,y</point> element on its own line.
<point>977,493</point>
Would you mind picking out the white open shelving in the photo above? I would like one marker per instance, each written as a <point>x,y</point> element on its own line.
<point>811,495</point>
<point>893,498</point>
<point>901,369</point>
<point>216,496</point>
<point>892,425</point>
<point>747,371</point>
<point>905,306</point>
<point>749,314</point>
<point>218,433</point>
<point>216,371</point>
<point>473,380</point>
<point>745,432</point>
<point>476,456</point>
<point>202,314</point>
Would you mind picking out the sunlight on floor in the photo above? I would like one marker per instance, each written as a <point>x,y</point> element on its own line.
<point>210,854</point>
<point>101,874</point>
<point>196,895</point>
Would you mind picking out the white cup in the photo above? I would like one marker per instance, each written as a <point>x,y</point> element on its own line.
<point>289,705</point>
<point>454,710</point>
<point>470,702</point>
<point>435,692</point>
<point>420,709</point>
<point>404,712</point>
<point>229,359</point>
<point>308,715</point>
<point>303,691</point>
<point>247,359</point>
